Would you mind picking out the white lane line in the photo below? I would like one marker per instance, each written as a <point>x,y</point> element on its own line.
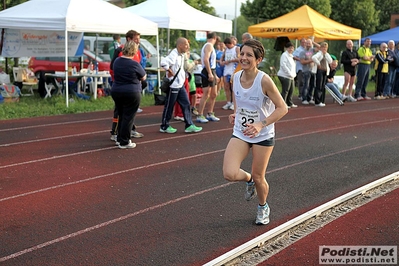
<point>51,124</point>
<point>228,256</point>
<point>103,149</point>
<point>67,123</point>
<point>192,157</point>
<point>184,136</point>
<point>107,223</point>
<point>150,125</point>
<point>109,174</point>
<point>106,130</point>
<point>260,240</point>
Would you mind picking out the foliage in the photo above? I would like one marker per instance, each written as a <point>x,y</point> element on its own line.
<point>362,14</point>
<point>257,11</point>
<point>10,3</point>
<point>385,8</point>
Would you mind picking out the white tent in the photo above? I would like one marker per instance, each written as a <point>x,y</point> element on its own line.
<point>176,14</point>
<point>95,16</point>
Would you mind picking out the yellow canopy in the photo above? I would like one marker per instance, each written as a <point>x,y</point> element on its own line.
<point>304,22</point>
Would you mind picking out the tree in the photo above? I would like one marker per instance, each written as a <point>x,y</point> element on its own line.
<point>258,11</point>
<point>133,2</point>
<point>362,14</point>
<point>386,8</point>
<point>10,3</point>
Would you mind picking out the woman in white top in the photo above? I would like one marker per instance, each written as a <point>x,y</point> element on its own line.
<point>287,73</point>
<point>322,60</point>
<point>258,105</point>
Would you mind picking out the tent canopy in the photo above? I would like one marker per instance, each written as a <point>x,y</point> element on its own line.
<point>384,36</point>
<point>176,14</point>
<point>304,22</point>
<point>74,15</point>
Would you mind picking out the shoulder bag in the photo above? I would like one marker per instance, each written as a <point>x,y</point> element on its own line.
<point>165,85</point>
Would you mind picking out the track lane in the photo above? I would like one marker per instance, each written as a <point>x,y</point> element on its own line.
<point>213,220</point>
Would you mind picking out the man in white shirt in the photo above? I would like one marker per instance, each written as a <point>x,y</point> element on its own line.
<point>174,67</point>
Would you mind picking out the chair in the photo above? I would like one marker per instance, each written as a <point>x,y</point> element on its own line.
<point>21,76</point>
<point>85,81</point>
<point>49,87</point>
<point>91,81</point>
<point>17,74</point>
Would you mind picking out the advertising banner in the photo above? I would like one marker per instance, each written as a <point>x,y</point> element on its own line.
<point>19,43</point>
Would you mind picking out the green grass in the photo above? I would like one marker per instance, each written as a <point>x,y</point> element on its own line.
<point>34,106</point>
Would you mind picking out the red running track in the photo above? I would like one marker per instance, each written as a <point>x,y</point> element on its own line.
<point>68,196</point>
<point>373,224</point>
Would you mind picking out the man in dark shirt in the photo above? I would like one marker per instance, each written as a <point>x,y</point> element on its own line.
<point>350,59</point>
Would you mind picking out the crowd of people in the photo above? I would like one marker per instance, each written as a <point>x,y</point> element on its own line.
<point>251,95</point>
<point>315,68</point>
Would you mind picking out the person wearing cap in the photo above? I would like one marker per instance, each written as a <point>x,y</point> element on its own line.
<point>287,73</point>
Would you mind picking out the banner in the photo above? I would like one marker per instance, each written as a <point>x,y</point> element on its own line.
<point>19,43</point>
<point>200,36</point>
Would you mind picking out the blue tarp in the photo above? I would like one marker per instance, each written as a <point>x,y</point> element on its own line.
<point>384,36</point>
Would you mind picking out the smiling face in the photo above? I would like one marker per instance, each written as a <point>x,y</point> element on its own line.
<point>250,55</point>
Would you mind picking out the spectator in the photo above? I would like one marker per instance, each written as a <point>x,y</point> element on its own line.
<point>396,86</point>
<point>209,78</point>
<point>173,64</point>
<point>189,85</point>
<point>286,74</point>
<point>390,81</point>
<point>381,72</point>
<point>363,70</point>
<point>299,75</point>
<point>259,106</point>
<point>308,72</point>
<point>220,48</point>
<point>115,45</point>
<point>229,61</point>
<point>131,35</point>
<point>322,60</point>
<point>350,59</point>
<point>126,92</point>
<point>330,81</point>
<point>245,37</point>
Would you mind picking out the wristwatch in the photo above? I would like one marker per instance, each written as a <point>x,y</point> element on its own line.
<point>264,123</point>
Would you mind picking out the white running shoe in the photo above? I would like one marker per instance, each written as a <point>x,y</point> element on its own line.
<point>226,106</point>
<point>130,145</point>
<point>262,216</point>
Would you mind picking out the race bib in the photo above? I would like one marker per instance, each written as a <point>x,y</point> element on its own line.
<point>246,116</point>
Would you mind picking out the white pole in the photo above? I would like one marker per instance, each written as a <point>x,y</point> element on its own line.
<point>158,70</point>
<point>66,68</point>
<point>235,19</point>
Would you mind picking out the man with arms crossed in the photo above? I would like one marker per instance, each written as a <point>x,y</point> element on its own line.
<point>349,59</point>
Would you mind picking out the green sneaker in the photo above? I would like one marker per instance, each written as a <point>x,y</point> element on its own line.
<point>193,129</point>
<point>169,130</point>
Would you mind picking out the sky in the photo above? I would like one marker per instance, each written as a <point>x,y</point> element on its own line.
<point>226,7</point>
